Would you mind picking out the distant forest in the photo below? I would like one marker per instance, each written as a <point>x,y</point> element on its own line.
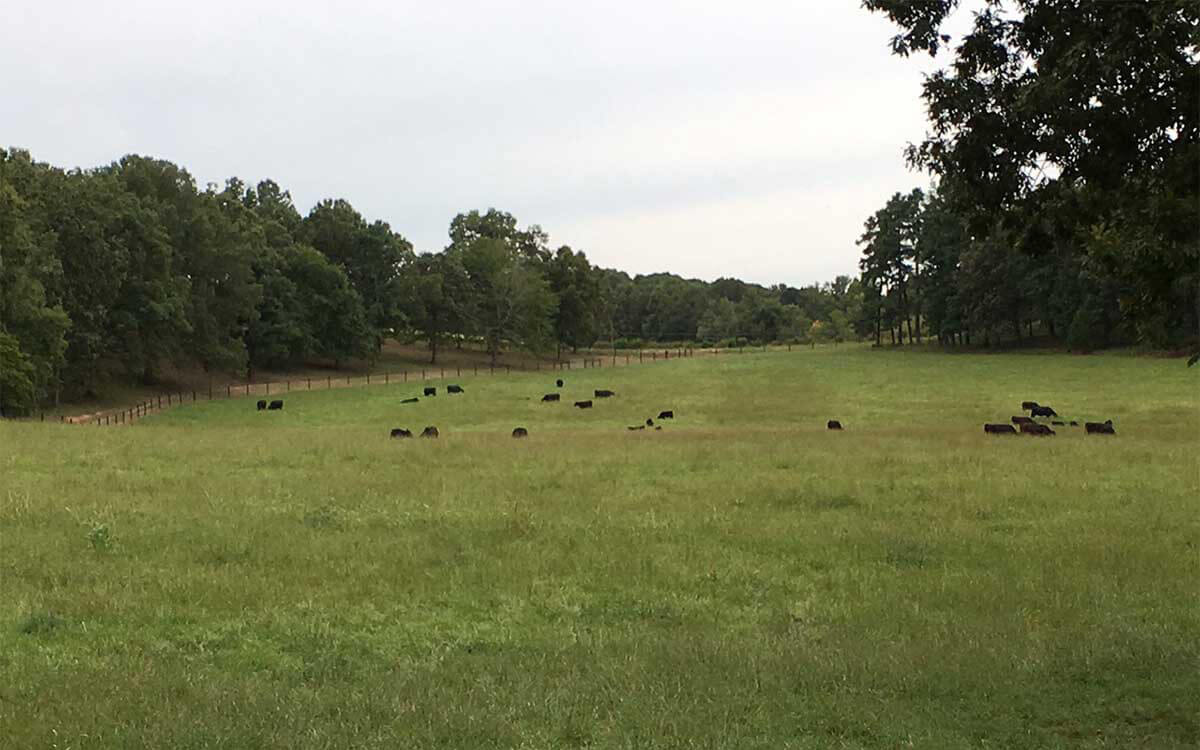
<point>1063,145</point>
<point>114,272</point>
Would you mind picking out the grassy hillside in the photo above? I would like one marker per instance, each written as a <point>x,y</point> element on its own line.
<point>214,576</point>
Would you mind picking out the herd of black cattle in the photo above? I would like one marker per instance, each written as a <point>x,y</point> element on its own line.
<point>518,432</point>
<point>1020,425</point>
<point>1028,425</point>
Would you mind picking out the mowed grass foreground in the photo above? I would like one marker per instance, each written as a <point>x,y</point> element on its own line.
<point>216,577</point>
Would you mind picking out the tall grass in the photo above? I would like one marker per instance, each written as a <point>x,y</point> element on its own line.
<point>217,577</point>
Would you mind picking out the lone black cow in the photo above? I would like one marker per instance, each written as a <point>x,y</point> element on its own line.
<point>431,391</point>
<point>1042,411</point>
<point>583,404</point>
<point>262,405</point>
<point>833,424</point>
<point>1099,428</point>
<point>400,432</point>
<point>558,382</point>
<point>601,393</point>
<point>550,397</point>
<point>999,429</point>
<point>429,432</point>
<point>275,405</point>
<point>666,415</point>
<point>1035,429</point>
<point>520,432</point>
<point>454,389</point>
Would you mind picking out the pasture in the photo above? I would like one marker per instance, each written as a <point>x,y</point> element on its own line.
<point>215,576</point>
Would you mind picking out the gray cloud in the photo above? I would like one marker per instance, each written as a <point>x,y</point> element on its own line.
<point>708,139</point>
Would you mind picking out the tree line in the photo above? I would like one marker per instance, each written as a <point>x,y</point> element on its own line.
<point>115,272</point>
<point>1064,143</point>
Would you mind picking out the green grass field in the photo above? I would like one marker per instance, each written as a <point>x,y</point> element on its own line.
<point>213,577</point>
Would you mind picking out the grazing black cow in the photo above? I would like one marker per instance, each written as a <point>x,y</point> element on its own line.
<point>454,389</point>
<point>275,406</point>
<point>412,400</point>
<point>1042,411</point>
<point>649,422</point>
<point>833,424</point>
<point>637,427</point>
<point>1058,423</point>
<point>262,405</point>
<point>400,432</point>
<point>583,404</point>
<point>429,432</point>
<point>430,391</point>
<point>1099,428</point>
<point>558,382</point>
<point>999,429</point>
<point>1027,405</point>
<point>520,432</point>
<point>601,393</point>
<point>1022,420</point>
<point>1035,429</point>
<point>550,397</point>
<point>666,415</point>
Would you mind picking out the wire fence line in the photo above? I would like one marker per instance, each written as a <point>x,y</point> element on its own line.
<point>591,360</point>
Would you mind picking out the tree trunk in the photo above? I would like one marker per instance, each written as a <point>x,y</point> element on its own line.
<point>433,348</point>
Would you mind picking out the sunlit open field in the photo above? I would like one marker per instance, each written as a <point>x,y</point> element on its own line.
<point>218,577</point>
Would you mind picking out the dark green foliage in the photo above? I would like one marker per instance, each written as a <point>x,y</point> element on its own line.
<point>1073,128</point>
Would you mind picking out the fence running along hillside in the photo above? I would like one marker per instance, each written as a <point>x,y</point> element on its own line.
<point>618,358</point>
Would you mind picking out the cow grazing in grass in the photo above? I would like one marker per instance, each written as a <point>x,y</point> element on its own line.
<point>430,391</point>
<point>666,415</point>
<point>275,406</point>
<point>412,400</point>
<point>400,432</point>
<point>601,393</point>
<point>649,422</point>
<point>262,405</point>
<point>558,382</point>
<point>1042,411</point>
<point>583,404</point>
<point>1099,428</point>
<point>999,429</point>
<point>429,432</point>
<point>1035,429</point>
<point>520,432</point>
<point>454,389</point>
<point>1027,405</point>
<point>550,397</point>
<point>833,424</point>
<point>1022,420</point>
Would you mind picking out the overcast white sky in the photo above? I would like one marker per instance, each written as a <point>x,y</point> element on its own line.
<point>747,139</point>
